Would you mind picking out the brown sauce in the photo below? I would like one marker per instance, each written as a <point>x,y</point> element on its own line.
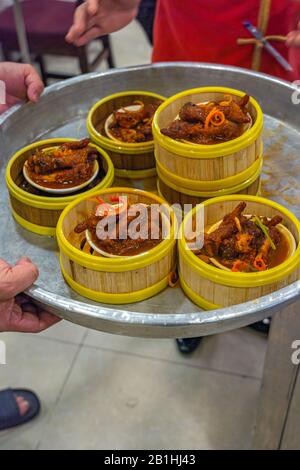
<point>126,247</point>
<point>210,123</point>
<point>134,126</point>
<point>28,188</point>
<point>61,181</point>
<point>279,255</point>
<point>246,243</point>
<point>114,243</point>
<point>275,257</point>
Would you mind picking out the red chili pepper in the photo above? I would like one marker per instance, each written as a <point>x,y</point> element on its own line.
<point>259,264</point>
<point>239,266</point>
<point>98,199</point>
<point>114,198</point>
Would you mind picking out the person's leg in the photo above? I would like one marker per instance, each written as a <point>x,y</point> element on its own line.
<point>189,345</point>
<point>262,326</point>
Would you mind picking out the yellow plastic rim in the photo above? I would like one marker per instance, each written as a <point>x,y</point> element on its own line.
<point>208,151</point>
<point>119,264</point>
<point>227,278</point>
<point>109,144</point>
<point>135,174</point>
<point>213,185</point>
<point>207,194</point>
<point>38,229</point>
<point>116,299</point>
<point>197,299</point>
<point>46,202</point>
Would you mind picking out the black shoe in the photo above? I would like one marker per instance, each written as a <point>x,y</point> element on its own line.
<point>188,345</point>
<point>262,326</point>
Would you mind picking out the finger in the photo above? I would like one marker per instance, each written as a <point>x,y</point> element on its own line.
<point>29,322</point>
<point>46,320</point>
<point>92,33</point>
<point>296,41</point>
<point>93,6</point>
<point>293,39</point>
<point>293,42</point>
<point>22,299</point>
<point>30,307</point>
<point>33,83</point>
<point>79,24</point>
<point>13,280</point>
<point>3,108</point>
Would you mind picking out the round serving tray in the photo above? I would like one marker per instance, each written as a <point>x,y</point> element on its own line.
<point>169,314</point>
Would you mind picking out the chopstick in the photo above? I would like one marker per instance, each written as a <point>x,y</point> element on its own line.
<point>264,42</point>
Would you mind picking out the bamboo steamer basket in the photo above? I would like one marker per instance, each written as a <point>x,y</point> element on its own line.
<point>40,214</point>
<point>210,287</point>
<point>175,194</point>
<point>138,179</point>
<point>125,156</point>
<point>119,280</point>
<point>206,162</point>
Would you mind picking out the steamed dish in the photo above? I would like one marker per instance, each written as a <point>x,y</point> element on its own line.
<point>64,166</point>
<point>246,243</point>
<point>212,122</point>
<point>121,238</point>
<point>132,124</point>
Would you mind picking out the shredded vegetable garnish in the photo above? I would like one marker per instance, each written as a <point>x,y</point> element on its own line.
<point>140,103</point>
<point>100,200</point>
<point>215,117</point>
<point>227,100</point>
<point>238,224</point>
<point>265,231</point>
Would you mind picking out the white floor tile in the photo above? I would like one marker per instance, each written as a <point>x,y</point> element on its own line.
<point>239,352</point>
<point>39,365</point>
<point>112,401</point>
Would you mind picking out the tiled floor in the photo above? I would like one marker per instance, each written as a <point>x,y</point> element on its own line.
<point>108,392</point>
<point>100,391</point>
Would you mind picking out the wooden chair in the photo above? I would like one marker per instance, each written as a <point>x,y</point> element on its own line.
<point>47,22</point>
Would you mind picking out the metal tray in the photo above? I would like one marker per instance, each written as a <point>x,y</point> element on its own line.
<point>62,112</point>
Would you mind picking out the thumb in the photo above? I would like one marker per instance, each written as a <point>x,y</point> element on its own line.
<point>33,83</point>
<point>14,280</point>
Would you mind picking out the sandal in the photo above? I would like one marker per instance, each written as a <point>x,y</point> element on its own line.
<point>10,416</point>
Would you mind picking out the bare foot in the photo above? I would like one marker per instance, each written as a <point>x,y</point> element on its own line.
<point>23,405</point>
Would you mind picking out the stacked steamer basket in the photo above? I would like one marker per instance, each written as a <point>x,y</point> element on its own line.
<point>39,211</point>
<point>211,287</point>
<point>190,173</point>
<point>121,279</point>
<point>134,162</point>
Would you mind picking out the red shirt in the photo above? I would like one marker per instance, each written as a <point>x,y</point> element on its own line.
<point>207,31</point>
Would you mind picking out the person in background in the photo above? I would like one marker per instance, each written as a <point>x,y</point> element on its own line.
<point>17,312</point>
<point>201,31</point>
<point>145,16</point>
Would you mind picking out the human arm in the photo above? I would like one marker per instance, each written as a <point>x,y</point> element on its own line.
<point>95,18</point>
